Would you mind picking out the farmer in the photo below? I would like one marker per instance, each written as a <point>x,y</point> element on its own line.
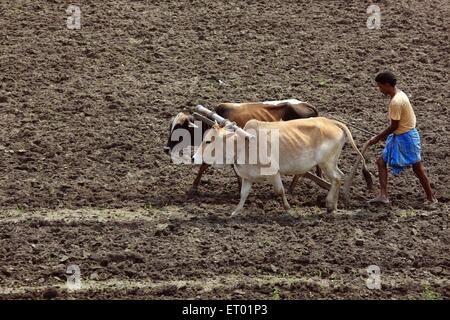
<point>403,141</point>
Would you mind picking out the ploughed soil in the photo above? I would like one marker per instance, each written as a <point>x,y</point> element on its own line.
<point>84,115</point>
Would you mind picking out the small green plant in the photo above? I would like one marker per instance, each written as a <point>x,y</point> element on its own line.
<point>322,284</point>
<point>52,190</point>
<point>21,208</point>
<point>429,294</point>
<point>319,274</point>
<point>276,294</point>
<point>148,206</point>
<point>322,82</point>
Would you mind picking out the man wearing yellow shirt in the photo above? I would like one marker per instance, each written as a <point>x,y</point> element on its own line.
<point>403,140</point>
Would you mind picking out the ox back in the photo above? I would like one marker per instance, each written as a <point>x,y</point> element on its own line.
<point>265,111</point>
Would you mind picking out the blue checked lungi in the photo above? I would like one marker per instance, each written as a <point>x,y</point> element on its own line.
<point>402,150</point>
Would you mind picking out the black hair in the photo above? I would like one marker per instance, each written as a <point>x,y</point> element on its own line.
<point>386,77</point>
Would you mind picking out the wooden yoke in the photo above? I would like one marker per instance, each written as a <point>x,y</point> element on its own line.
<point>222,121</point>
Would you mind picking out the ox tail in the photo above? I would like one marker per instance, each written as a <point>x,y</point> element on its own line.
<point>350,138</point>
<point>366,173</point>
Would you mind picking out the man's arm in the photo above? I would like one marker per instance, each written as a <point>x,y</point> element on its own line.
<point>383,135</point>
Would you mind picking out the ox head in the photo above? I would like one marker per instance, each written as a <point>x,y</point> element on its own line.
<point>180,121</point>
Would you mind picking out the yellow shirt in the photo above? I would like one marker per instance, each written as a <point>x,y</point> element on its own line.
<point>400,109</point>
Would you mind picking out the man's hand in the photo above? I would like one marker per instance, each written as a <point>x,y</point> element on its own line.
<point>374,140</point>
<point>383,135</point>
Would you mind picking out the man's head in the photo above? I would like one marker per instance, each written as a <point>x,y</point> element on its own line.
<point>386,82</point>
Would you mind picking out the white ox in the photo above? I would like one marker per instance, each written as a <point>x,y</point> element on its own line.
<point>300,146</point>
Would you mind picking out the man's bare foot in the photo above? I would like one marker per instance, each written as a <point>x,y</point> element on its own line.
<point>192,192</point>
<point>431,201</point>
<point>430,204</point>
<point>379,199</point>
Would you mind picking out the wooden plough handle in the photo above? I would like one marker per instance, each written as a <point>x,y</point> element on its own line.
<point>351,176</point>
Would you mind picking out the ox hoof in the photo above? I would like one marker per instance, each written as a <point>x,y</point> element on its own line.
<point>236,213</point>
<point>287,216</point>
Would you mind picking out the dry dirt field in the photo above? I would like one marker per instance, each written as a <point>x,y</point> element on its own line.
<point>84,116</point>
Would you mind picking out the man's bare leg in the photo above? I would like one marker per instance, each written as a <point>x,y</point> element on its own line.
<point>382,176</point>
<point>419,170</point>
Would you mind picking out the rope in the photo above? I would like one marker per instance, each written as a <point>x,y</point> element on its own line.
<point>351,125</point>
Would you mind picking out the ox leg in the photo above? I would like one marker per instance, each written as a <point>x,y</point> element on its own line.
<point>196,183</point>
<point>340,176</point>
<point>239,179</point>
<point>245,190</point>
<point>294,183</point>
<point>279,189</point>
<point>335,175</point>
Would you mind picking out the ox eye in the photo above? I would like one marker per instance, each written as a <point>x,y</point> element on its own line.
<point>208,142</point>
